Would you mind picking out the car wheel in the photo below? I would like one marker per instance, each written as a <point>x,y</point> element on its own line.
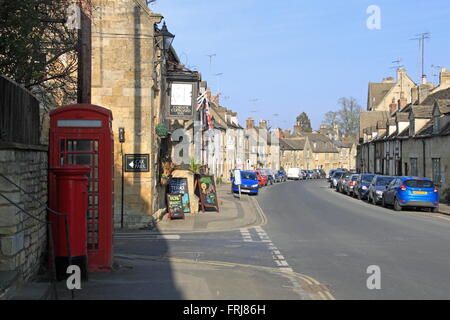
<point>397,206</point>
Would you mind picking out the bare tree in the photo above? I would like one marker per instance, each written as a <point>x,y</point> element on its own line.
<point>347,117</point>
<point>331,118</point>
<point>37,48</point>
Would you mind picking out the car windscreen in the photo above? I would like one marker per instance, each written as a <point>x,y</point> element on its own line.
<point>337,174</point>
<point>249,176</point>
<point>384,181</point>
<point>419,183</point>
<point>354,178</point>
<point>367,178</point>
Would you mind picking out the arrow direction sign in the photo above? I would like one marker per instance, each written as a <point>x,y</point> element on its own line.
<point>137,163</point>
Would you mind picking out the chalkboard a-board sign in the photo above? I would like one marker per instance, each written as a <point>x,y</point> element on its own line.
<point>175,206</point>
<point>180,186</point>
<point>207,193</point>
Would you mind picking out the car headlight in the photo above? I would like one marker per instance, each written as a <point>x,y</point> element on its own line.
<point>379,192</point>
<point>254,186</point>
<point>364,187</point>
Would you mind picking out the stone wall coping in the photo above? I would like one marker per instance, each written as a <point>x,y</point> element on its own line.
<point>21,146</point>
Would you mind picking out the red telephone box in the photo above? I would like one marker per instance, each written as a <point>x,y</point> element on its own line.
<point>81,134</point>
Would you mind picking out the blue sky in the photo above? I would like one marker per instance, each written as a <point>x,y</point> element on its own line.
<point>288,56</point>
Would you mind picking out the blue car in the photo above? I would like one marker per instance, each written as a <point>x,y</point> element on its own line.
<point>249,183</point>
<point>411,192</point>
<point>361,189</point>
<point>377,188</point>
<point>283,175</point>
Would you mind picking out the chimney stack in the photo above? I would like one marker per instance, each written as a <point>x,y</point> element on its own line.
<point>297,129</point>
<point>424,79</point>
<point>250,123</point>
<point>444,76</point>
<point>215,99</point>
<point>263,124</point>
<point>402,102</point>
<point>287,133</point>
<point>393,106</point>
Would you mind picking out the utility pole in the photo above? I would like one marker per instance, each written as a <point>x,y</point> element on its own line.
<point>421,37</point>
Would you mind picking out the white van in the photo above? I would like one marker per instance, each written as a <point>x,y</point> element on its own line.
<point>294,173</point>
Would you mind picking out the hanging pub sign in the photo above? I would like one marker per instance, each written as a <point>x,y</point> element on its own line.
<point>175,206</point>
<point>182,100</point>
<point>207,193</point>
<point>180,186</point>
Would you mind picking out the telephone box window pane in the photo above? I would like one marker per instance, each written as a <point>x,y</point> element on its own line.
<point>80,123</point>
<point>62,145</point>
<point>80,145</point>
<point>81,159</point>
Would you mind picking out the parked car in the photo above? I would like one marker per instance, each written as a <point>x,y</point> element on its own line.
<point>269,174</point>
<point>411,192</point>
<point>317,174</point>
<point>335,177</point>
<point>262,179</point>
<point>361,188</point>
<point>348,187</point>
<point>330,173</point>
<point>293,173</point>
<point>322,174</point>
<point>249,183</point>
<point>277,176</point>
<point>377,187</point>
<point>310,174</point>
<point>283,175</point>
<point>303,175</point>
<point>342,180</point>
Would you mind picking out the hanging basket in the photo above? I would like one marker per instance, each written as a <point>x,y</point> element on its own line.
<point>162,130</point>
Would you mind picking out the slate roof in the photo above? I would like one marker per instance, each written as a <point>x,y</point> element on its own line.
<point>377,91</point>
<point>293,143</point>
<point>402,116</point>
<point>370,118</point>
<point>441,95</point>
<point>422,111</point>
<point>443,105</point>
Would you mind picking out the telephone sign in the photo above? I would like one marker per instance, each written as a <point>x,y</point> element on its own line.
<point>136,162</point>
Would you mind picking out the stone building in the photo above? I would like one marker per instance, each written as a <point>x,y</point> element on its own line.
<point>262,146</point>
<point>323,149</point>
<point>410,141</point>
<point>125,80</point>
<point>381,94</point>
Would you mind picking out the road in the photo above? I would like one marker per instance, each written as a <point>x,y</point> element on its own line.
<point>334,238</point>
<point>315,244</point>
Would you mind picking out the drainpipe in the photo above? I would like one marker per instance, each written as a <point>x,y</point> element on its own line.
<point>423,158</point>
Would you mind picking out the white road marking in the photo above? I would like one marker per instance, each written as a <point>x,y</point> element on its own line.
<point>282,263</point>
<point>246,236</point>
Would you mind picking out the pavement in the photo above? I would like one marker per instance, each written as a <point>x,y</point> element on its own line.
<point>234,213</point>
<point>443,208</point>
